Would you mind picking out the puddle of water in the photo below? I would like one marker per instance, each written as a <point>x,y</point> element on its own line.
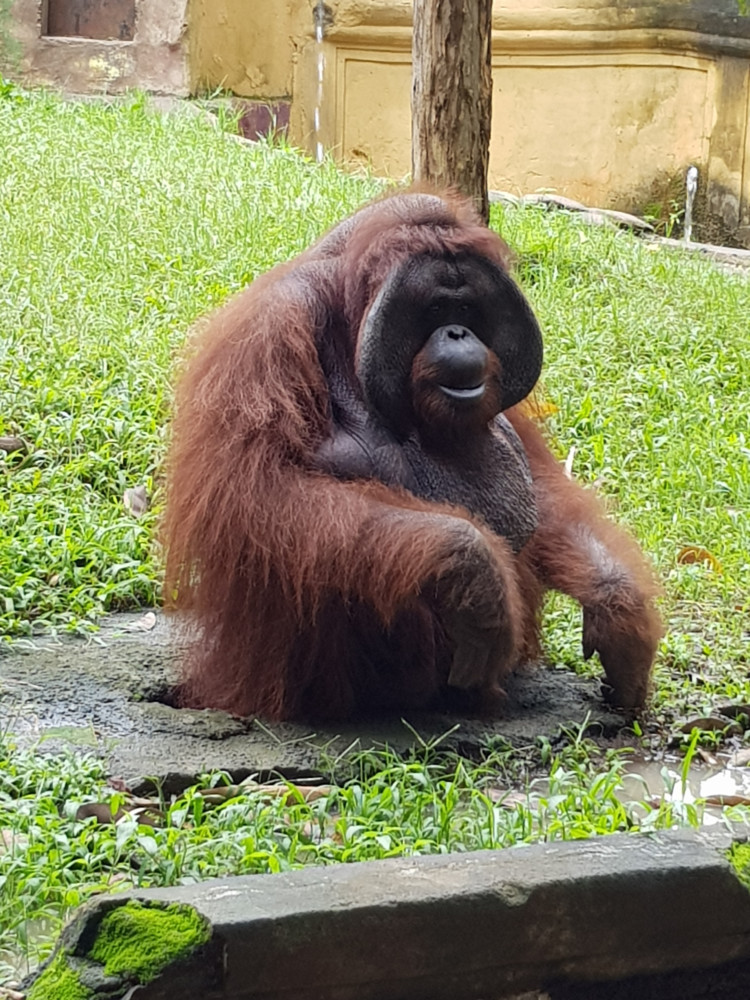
<point>650,784</point>
<point>15,966</point>
<point>725,784</point>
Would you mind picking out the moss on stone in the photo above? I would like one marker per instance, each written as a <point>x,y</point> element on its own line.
<point>59,981</point>
<point>106,954</point>
<point>739,858</point>
<point>139,941</point>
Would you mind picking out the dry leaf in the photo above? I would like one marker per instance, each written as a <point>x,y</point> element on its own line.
<point>711,724</point>
<point>290,793</point>
<point>144,810</point>
<point>135,499</point>
<point>727,800</point>
<point>143,624</point>
<point>6,993</point>
<point>734,711</point>
<point>100,810</point>
<point>10,444</point>
<point>741,758</point>
<point>691,554</point>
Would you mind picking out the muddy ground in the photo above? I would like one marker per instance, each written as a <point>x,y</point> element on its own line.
<point>108,694</point>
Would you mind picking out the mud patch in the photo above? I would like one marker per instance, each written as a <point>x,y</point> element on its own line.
<point>112,696</point>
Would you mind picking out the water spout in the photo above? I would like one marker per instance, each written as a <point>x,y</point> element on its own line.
<point>321,18</point>
<point>691,186</point>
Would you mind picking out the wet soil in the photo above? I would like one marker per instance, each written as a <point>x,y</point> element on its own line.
<point>110,694</point>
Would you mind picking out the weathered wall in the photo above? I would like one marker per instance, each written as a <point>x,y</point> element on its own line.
<point>595,125</point>
<point>598,100</point>
<point>154,60</point>
<point>248,48</point>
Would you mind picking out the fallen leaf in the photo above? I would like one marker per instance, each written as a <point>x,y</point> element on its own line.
<point>100,810</point>
<point>290,793</point>
<point>144,810</point>
<point>143,624</point>
<point>10,444</point>
<point>215,796</point>
<point>734,711</point>
<point>727,800</point>
<point>741,758</point>
<point>689,555</point>
<point>711,724</point>
<point>135,499</point>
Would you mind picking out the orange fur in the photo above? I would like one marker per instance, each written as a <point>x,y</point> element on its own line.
<point>317,597</point>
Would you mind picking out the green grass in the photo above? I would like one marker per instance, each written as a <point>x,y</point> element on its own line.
<point>648,361</point>
<point>431,803</point>
<point>121,227</point>
<point>118,229</point>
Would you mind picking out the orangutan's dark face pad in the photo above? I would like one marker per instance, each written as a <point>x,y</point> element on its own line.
<point>455,312</point>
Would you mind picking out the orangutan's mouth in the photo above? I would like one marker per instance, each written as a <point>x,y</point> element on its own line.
<point>466,393</point>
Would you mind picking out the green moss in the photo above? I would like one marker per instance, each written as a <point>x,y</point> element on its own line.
<point>739,858</point>
<point>59,982</point>
<point>139,941</point>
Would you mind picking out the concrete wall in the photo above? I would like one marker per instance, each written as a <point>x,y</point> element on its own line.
<point>155,59</point>
<point>599,100</point>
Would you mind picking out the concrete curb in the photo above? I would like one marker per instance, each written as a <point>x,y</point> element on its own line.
<point>612,911</point>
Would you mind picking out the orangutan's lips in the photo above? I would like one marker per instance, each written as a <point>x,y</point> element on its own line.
<point>468,393</point>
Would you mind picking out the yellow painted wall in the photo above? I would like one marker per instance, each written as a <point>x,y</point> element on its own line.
<point>594,99</point>
<point>247,46</point>
<point>593,127</point>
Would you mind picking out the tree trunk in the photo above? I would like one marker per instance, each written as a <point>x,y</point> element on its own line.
<point>451,105</point>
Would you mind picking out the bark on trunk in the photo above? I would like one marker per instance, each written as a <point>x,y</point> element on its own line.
<point>452,95</point>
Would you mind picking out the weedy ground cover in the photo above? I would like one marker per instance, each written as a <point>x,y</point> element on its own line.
<point>52,859</point>
<point>648,367</point>
<point>119,228</point>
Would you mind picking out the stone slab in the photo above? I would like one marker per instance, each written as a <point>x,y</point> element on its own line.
<point>491,924</point>
<point>110,694</point>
